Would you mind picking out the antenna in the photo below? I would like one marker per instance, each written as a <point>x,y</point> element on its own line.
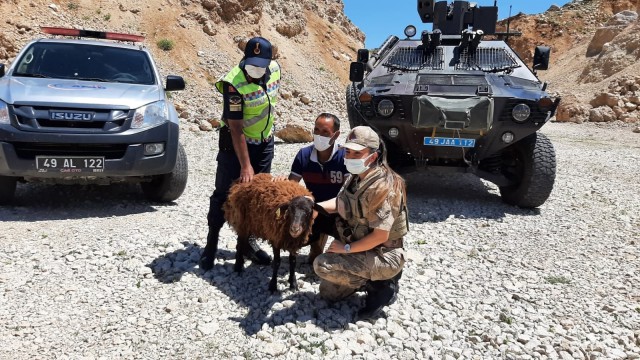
<point>508,23</point>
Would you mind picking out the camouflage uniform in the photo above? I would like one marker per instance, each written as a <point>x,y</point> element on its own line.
<point>342,274</point>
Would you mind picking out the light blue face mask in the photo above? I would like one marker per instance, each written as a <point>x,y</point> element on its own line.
<point>357,166</point>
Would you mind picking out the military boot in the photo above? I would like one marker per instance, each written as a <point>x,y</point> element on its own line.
<point>379,294</point>
<point>396,287</point>
<point>209,254</point>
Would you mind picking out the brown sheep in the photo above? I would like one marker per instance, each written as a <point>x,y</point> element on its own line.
<point>280,212</point>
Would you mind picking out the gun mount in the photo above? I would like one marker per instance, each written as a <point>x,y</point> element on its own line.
<point>452,19</point>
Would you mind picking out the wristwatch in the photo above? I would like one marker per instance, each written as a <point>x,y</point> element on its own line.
<point>347,248</point>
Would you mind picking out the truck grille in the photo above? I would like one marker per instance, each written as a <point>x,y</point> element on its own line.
<point>446,80</point>
<point>485,59</point>
<point>34,118</point>
<point>31,150</point>
<point>414,59</point>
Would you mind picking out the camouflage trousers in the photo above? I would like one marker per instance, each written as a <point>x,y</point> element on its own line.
<point>343,274</point>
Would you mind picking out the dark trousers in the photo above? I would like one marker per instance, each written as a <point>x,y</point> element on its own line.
<point>323,224</point>
<point>261,156</point>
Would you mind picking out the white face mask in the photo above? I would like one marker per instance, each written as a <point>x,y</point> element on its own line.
<point>254,71</point>
<point>357,166</point>
<point>321,143</point>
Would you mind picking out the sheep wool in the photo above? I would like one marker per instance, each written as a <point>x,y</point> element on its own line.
<point>252,209</point>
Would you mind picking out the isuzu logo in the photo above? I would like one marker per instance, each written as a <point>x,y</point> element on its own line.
<point>70,115</point>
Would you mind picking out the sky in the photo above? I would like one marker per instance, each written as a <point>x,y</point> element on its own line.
<point>380,18</point>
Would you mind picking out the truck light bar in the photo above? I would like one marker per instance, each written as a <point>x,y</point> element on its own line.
<point>91,34</point>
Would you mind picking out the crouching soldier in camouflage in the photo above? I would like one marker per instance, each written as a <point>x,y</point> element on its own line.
<point>367,251</point>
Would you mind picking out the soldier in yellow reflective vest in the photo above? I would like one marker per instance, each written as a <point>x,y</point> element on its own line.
<point>246,138</point>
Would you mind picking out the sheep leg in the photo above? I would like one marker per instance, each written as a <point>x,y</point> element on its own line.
<point>293,284</point>
<point>273,284</point>
<point>241,249</point>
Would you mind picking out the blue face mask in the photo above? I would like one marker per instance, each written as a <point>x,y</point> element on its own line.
<point>357,166</point>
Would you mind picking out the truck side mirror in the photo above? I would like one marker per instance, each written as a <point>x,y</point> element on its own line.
<point>363,56</point>
<point>541,58</point>
<point>1,70</point>
<point>356,72</point>
<point>174,83</point>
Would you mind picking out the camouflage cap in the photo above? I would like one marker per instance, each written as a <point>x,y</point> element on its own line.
<point>361,137</point>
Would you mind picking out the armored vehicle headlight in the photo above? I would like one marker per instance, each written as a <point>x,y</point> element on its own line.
<point>394,132</point>
<point>521,112</point>
<point>385,107</point>
<point>410,31</point>
<point>4,113</point>
<point>508,137</point>
<point>150,115</point>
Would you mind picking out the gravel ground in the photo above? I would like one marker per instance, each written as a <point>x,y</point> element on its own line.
<point>98,272</point>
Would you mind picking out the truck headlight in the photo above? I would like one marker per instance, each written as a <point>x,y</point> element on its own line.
<point>150,115</point>
<point>385,107</point>
<point>4,113</point>
<point>521,112</point>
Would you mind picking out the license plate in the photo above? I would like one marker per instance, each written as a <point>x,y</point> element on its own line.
<point>441,141</point>
<point>70,164</point>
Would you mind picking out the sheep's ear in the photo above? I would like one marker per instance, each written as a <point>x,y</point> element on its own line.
<point>282,211</point>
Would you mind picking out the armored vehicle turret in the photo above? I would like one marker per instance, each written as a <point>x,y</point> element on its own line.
<point>459,98</point>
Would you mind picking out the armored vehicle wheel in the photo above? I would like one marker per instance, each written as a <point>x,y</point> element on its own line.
<point>531,163</point>
<point>7,189</point>
<point>353,106</point>
<point>169,187</point>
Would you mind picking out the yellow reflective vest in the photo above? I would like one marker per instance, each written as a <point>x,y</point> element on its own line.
<point>258,106</point>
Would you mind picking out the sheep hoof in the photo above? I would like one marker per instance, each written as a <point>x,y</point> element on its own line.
<point>273,287</point>
<point>293,286</point>
<point>238,268</point>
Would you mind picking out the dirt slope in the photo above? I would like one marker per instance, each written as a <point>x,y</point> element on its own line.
<point>594,51</point>
<point>315,43</point>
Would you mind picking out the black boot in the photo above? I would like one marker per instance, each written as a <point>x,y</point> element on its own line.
<point>256,254</point>
<point>396,287</point>
<point>379,294</point>
<point>209,253</point>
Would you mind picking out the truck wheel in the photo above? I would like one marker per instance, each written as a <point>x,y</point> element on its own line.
<point>353,106</point>
<point>168,187</point>
<point>531,164</point>
<point>7,189</point>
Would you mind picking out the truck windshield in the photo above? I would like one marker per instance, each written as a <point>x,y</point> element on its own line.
<point>85,62</point>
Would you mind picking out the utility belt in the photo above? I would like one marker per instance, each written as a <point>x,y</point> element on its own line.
<point>225,142</point>
<point>253,141</point>
<point>346,235</point>
<point>393,244</point>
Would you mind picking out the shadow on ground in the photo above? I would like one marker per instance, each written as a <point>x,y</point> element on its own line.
<point>249,289</point>
<point>434,198</point>
<point>35,202</point>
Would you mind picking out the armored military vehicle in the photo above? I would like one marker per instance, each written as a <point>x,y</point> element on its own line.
<point>459,99</point>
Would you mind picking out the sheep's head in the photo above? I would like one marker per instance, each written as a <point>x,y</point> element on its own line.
<point>298,213</point>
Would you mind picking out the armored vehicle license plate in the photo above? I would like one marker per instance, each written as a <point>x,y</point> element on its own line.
<point>441,141</point>
<point>70,164</point>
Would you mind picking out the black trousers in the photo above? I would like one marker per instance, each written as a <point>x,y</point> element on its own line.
<point>323,224</point>
<point>261,157</point>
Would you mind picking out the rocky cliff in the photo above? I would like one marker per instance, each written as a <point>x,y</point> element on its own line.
<point>595,49</point>
<point>595,52</point>
<point>315,42</point>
